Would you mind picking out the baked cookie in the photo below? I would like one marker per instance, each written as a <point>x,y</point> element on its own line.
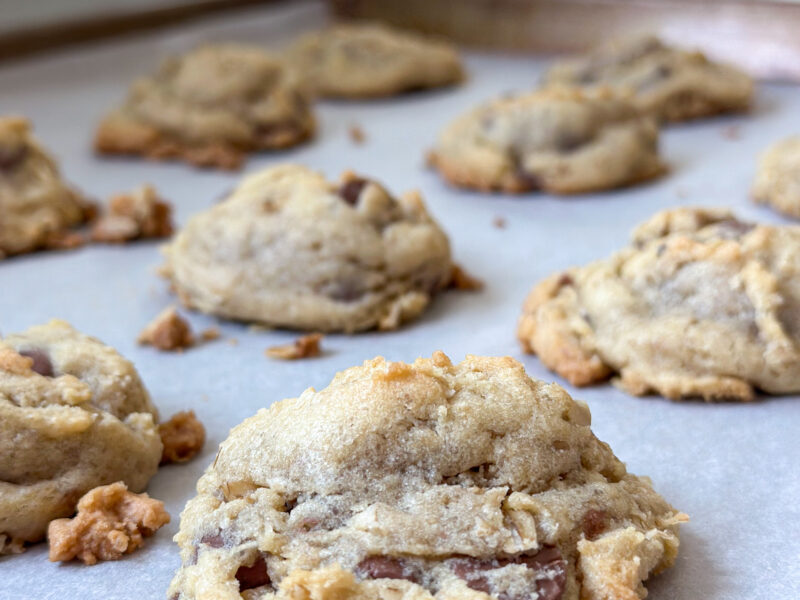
<point>560,140</point>
<point>371,60</point>
<point>668,83</point>
<point>699,305</point>
<point>36,205</point>
<point>428,480</point>
<point>73,415</point>
<point>778,177</point>
<point>210,107</point>
<point>289,249</point>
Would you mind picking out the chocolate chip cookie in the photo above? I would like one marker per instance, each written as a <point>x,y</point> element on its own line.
<point>560,140</point>
<point>671,84</point>
<point>36,205</point>
<point>424,480</point>
<point>290,249</point>
<point>73,415</point>
<point>371,60</point>
<point>777,180</point>
<point>699,305</point>
<point>210,107</point>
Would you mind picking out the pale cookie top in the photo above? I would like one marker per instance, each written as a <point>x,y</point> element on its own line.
<point>671,84</point>
<point>699,305</point>
<point>560,140</point>
<point>73,415</point>
<point>430,480</point>
<point>210,106</point>
<point>291,249</point>
<point>777,180</point>
<point>368,60</point>
<point>35,202</point>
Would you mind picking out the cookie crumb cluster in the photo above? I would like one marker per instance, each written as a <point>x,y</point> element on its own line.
<point>461,280</point>
<point>307,346</point>
<point>141,214</point>
<point>183,436</point>
<point>110,523</point>
<point>168,331</point>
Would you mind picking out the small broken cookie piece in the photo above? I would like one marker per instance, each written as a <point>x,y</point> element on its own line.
<point>461,280</point>
<point>306,346</point>
<point>140,214</point>
<point>357,135</point>
<point>110,523</point>
<point>168,331</point>
<point>183,437</point>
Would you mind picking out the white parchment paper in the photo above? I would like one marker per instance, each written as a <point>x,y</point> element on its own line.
<point>732,467</point>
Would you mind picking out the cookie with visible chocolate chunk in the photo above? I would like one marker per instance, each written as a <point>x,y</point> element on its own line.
<point>559,140</point>
<point>290,249</point>
<point>777,180</point>
<point>211,107</point>
<point>429,480</point>
<point>670,84</point>
<point>366,60</point>
<point>699,305</point>
<point>74,415</point>
<point>37,208</point>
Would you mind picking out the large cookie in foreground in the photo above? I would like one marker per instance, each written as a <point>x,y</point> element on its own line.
<point>73,415</point>
<point>699,305</point>
<point>290,249</point>
<point>430,480</point>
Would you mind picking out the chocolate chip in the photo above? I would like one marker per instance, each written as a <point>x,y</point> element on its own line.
<point>41,361</point>
<point>351,190</point>
<point>567,141</point>
<point>565,280</point>
<point>253,576</point>
<point>213,540</point>
<point>385,567</point>
<point>11,157</point>
<point>594,523</point>
<point>345,291</point>
<point>733,228</point>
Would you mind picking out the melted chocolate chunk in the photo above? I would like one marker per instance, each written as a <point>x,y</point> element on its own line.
<point>11,157</point>
<point>351,190</point>
<point>215,540</point>
<point>385,567</point>
<point>565,280</point>
<point>41,361</point>
<point>345,291</point>
<point>594,523</point>
<point>253,576</point>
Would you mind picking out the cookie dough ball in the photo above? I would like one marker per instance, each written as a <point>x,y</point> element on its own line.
<point>668,83</point>
<point>559,140</point>
<point>371,60</point>
<point>210,107</point>
<point>424,480</point>
<point>699,305</point>
<point>35,203</point>
<point>289,249</point>
<point>778,177</point>
<point>73,415</point>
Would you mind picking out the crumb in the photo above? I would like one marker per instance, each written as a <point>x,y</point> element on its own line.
<point>499,222</point>
<point>183,437</point>
<point>110,523</point>
<point>233,341</point>
<point>210,334</point>
<point>306,346</point>
<point>168,331</point>
<point>357,134</point>
<point>13,362</point>
<point>138,215</point>
<point>732,132</point>
<point>64,240</point>
<point>461,280</point>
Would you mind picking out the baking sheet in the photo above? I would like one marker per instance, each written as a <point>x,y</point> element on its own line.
<point>732,467</point>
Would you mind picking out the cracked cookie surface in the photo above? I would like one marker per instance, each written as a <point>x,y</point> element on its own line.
<point>699,305</point>
<point>73,415</point>
<point>777,180</point>
<point>210,107</point>
<point>290,249</point>
<point>421,481</point>
<point>559,140</point>
<point>372,60</point>
<point>35,202</point>
<point>670,84</point>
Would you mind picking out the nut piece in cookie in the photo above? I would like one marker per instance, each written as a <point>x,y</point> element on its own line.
<point>168,331</point>
<point>371,60</point>
<point>210,107</point>
<point>306,346</point>
<point>74,415</point>
<point>670,84</point>
<point>429,480</point>
<point>698,305</point>
<point>183,436</point>
<point>559,140</point>
<point>138,215</point>
<point>37,208</point>
<point>777,180</point>
<point>290,249</point>
<point>110,523</point>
